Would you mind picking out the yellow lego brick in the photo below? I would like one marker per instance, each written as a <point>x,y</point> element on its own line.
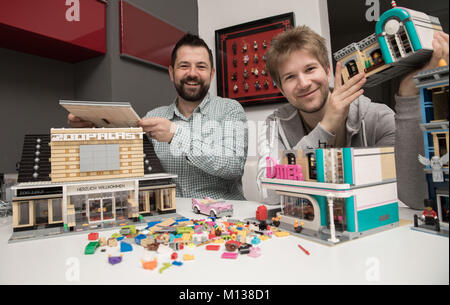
<point>188,257</point>
<point>264,237</point>
<point>282,234</point>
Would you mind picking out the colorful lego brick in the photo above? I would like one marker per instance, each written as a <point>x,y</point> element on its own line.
<point>282,234</point>
<point>91,247</point>
<point>93,236</point>
<point>164,267</point>
<point>139,238</point>
<point>255,252</point>
<point>149,265</point>
<point>113,260</point>
<point>188,257</point>
<point>212,247</point>
<point>125,247</point>
<point>230,255</point>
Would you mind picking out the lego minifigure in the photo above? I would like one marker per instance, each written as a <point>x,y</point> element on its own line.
<point>245,59</point>
<point>244,48</point>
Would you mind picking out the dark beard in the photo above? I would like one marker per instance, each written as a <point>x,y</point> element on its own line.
<point>192,96</point>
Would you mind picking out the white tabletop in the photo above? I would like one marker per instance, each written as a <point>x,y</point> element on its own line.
<point>395,256</point>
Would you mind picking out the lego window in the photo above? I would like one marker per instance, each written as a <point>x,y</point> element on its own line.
<point>41,211</point>
<point>167,199</point>
<point>121,199</point>
<point>101,157</point>
<point>312,168</point>
<point>79,202</point>
<point>56,205</point>
<point>440,103</point>
<point>24,213</point>
<point>298,207</point>
<point>352,68</point>
<point>291,158</point>
<point>340,222</point>
<point>443,205</point>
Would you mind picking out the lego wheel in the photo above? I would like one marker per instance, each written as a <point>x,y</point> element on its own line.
<point>212,214</point>
<point>196,210</point>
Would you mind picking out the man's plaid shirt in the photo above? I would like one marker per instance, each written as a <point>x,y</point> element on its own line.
<point>209,149</point>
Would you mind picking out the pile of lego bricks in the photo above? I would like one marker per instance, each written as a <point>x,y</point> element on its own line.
<point>166,238</point>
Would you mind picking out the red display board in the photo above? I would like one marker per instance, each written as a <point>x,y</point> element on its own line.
<point>145,37</point>
<point>241,65</point>
<point>71,30</point>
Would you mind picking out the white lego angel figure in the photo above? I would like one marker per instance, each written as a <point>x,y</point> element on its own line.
<point>436,163</point>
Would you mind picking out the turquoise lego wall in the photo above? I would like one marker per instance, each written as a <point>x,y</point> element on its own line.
<point>377,217</point>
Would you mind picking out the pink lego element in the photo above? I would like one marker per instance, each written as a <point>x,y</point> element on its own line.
<point>230,255</point>
<point>255,252</point>
<point>283,171</point>
<point>212,207</point>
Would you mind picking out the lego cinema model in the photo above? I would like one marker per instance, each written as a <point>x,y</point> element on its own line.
<point>343,193</point>
<point>88,178</point>
<point>401,42</point>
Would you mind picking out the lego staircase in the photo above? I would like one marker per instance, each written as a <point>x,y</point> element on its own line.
<point>34,165</point>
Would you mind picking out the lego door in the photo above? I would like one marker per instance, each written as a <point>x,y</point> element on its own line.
<point>95,210</point>
<point>108,209</point>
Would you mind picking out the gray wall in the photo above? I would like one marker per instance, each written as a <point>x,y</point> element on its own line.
<point>31,86</point>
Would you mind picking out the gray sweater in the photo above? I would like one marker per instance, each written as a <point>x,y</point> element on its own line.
<point>368,125</point>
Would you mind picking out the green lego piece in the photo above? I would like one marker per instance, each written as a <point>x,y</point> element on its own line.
<point>91,247</point>
<point>182,230</point>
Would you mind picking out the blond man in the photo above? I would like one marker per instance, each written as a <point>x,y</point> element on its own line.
<point>342,116</point>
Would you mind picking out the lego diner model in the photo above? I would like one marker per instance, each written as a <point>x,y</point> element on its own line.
<point>78,179</point>
<point>342,193</point>
<point>401,42</point>
<point>211,207</point>
<point>433,85</point>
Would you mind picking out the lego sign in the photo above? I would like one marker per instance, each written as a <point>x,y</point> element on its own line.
<point>96,136</point>
<point>100,188</point>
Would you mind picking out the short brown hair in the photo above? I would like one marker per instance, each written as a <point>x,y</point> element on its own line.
<point>191,40</point>
<point>298,38</point>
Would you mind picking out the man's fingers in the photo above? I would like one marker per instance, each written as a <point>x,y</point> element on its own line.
<point>149,122</point>
<point>338,76</point>
<point>352,86</point>
<point>76,122</point>
<point>350,99</point>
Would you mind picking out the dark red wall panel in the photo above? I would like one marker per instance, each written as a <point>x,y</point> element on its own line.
<point>145,37</point>
<point>71,30</point>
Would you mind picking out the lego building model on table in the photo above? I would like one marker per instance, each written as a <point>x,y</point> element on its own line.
<point>81,179</point>
<point>433,85</point>
<point>337,194</point>
<point>402,42</point>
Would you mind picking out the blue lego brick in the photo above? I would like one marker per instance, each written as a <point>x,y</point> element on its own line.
<point>125,247</point>
<point>180,220</point>
<point>138,238</point>
<point>152,223</point>
<point>376,217</point>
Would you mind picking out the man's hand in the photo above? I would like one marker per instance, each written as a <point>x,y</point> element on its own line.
<point>76,122</point>
<point>160,129</point>
<point>440,51</point>
<point>339,101</point>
